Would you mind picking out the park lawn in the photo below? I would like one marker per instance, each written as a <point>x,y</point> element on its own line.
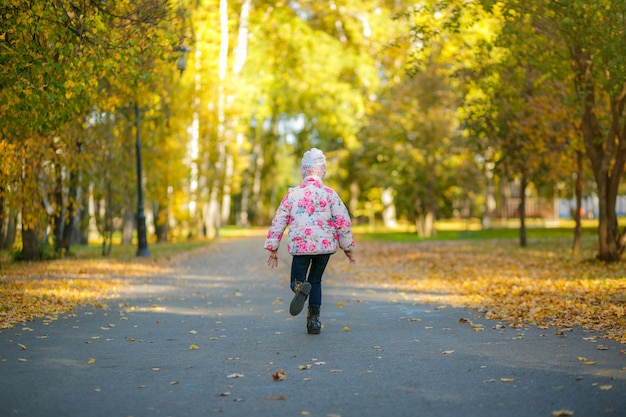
<point>542,284</point>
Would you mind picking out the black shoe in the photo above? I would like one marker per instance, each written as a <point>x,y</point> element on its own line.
<point>302,290</point>
<point>313,325</point>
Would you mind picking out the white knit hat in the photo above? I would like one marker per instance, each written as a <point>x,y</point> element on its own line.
<point>313,163</point>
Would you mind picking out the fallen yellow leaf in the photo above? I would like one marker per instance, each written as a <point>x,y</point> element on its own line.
<point>91,360</point>
<point>279,376</point>
<point>193,347</point>
<point>606,387</point>
<point>346,329</point>
<point>279,398</point>
<point>562,413</point>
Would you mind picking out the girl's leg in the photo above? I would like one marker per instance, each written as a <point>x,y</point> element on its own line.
<point>299,268</point>
<point>318,265</point>
<point>301,288</point>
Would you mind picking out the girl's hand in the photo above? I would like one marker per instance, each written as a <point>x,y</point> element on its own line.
<point>350,256</point>
<point>272,260</point>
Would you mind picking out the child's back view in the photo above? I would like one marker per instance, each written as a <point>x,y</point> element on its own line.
<point>319,225</point>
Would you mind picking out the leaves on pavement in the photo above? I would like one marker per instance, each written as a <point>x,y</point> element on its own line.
<point>536,285</point>
<point>279,375</point>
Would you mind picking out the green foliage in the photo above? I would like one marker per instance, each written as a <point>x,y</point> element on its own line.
<point>68,66</point>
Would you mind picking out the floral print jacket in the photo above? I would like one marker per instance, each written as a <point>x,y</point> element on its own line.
<point>318,220</point>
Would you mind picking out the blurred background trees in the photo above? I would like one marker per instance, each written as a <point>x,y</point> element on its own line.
<point>484,110</point>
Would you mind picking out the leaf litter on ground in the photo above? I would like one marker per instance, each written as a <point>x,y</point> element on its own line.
<point>521,286</point>
<point>532,286</point>
<point>33,290</point>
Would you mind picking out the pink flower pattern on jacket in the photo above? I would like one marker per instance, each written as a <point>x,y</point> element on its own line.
<point>318,220</point>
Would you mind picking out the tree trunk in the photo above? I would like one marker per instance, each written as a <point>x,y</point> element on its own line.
<point>8,224</point>
<point>58,211</point>
<point>2,221</point>
<point>70,213</point>
<point>243,220</point>
<point>259,162</point>
<point>212,220</point>
<point>389,208</point>
<point>160,213</point>
<point>107,235</point>
<point>578,190</point>
<point>241,53</point>
<point>30,245</point>
<point>428,209</point>
<point>128,226</point>
<point>606,153</point>
<point>523,241</point>
<point>229,171</point>
<point>425,224</point>
<point>214,214</point>
<point>355,192</point>
<point>33,211</point>
<point>84,220</point>
<point>490,199</point>
<point>504,201</point>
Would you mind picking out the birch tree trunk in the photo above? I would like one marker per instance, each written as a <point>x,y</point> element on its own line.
<point>213,214</point>
<point>241,52</point>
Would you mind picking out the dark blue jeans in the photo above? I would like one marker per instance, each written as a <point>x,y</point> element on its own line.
<point>315,266</point>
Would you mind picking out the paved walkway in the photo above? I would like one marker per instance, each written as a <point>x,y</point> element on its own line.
<point>378,355</point>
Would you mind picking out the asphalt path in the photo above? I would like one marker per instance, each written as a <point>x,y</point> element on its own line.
<point>214,337</point>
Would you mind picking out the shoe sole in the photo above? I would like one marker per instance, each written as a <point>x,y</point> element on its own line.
<point>297,304</point>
